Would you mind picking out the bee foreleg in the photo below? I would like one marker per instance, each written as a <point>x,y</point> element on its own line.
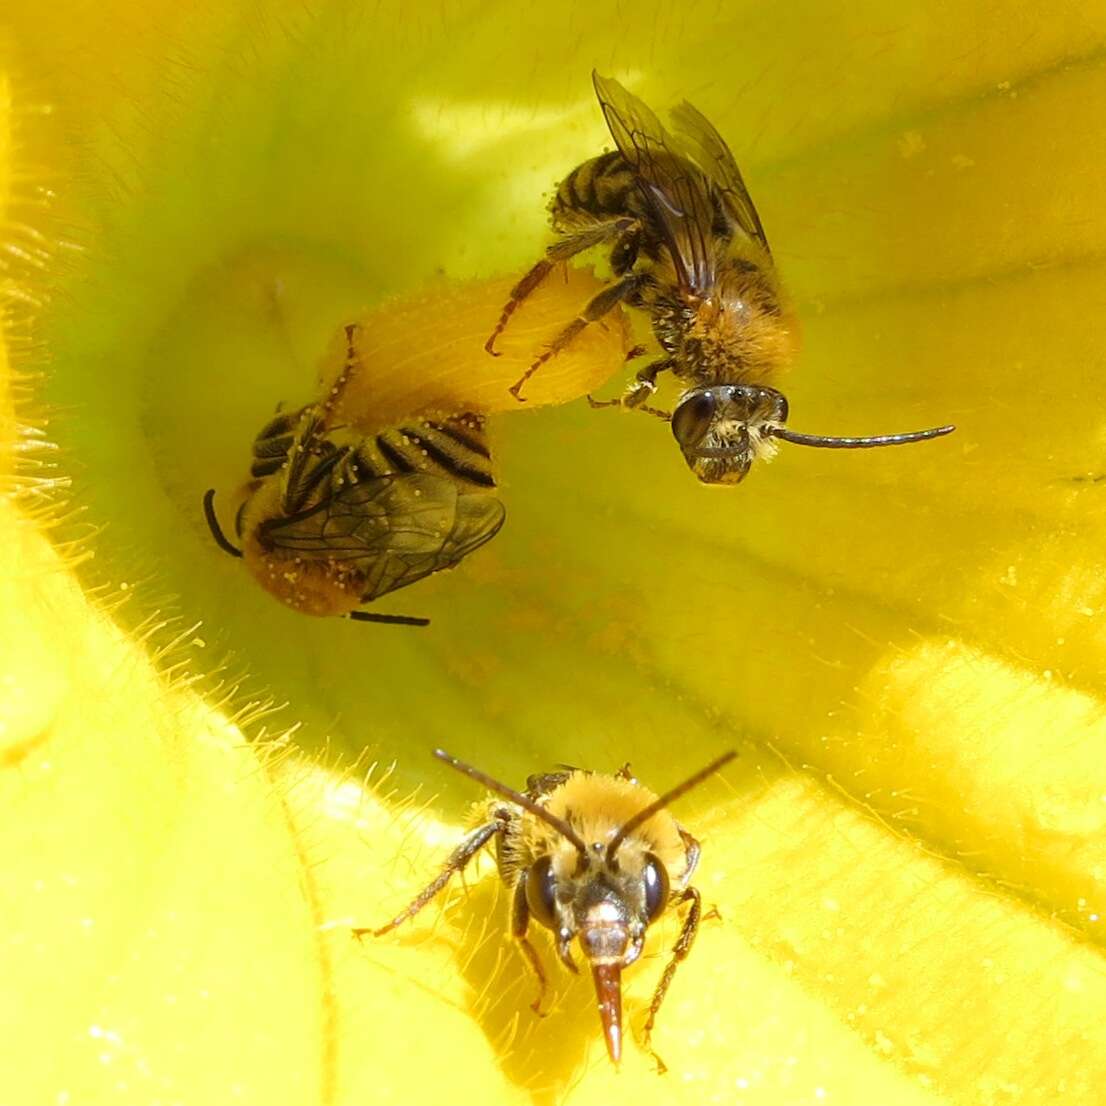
<point>458,860</point>
<point>562,250</point>
<point>520,922</point>
<point>679,954</point>
<point>656,412</point>
<point>692,852</point>
<point>645,382</point>
<point>598,306</point>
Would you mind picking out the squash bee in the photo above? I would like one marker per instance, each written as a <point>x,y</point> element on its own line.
<point>329,524</point>
<point>592,857</point>
<point>687,247</point>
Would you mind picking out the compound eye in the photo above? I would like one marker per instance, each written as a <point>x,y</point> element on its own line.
<point>541,892</point>
<point>655,878</point>
<point>692,418</point>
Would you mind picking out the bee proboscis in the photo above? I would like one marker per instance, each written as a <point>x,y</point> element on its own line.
<point>687,247</point>
<point>330,522</point>
<point>592,857</point>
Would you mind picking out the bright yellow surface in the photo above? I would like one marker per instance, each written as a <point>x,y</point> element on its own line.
<point>424,353</point>
<point>907,646</point>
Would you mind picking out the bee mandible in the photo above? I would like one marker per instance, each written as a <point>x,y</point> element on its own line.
<point>596,859</point>
<point>687,247</point>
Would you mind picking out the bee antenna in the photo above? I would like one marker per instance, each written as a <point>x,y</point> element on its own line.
<point>213,525</point>
<point>390,619</point>
<point>643,816</point>
<point>825,442</point>
<point>524,801</point>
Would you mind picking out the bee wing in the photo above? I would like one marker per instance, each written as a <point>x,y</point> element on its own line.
<point>393,530</point>
<point>708,149</point>
<point>677,190</point>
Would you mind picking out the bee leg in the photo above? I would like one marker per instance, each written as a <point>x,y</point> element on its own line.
<point>273,443</point>
<point>308,466</point>
<point>598,306</point>
<point>349,370</point>
<point>656,412</point>
<point>645,383</point>
<point>563,249</point>
<point>547,781</point>
<point>692,852</point>
<point>519,293</point>
<point>679,954</point>
<point>470,845</point>
<point>626,249</point>
<point>520,922</point>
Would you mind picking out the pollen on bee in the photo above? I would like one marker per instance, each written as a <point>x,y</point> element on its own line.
<point>425,352</point>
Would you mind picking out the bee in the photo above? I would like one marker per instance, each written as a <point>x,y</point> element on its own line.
<point>328,524</point>
<point>687,247</point>
<point>593,858</point>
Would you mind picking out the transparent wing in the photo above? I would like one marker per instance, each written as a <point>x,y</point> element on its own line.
<point>677,191</point>
<point>702,142</point>
<point>392,530</point>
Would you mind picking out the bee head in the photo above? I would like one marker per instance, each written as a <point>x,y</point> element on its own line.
<point>723,428</point>
<point>605,902</point>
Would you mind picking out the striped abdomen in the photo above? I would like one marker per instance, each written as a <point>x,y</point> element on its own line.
<point>454,447</point>
<point>603,187</point>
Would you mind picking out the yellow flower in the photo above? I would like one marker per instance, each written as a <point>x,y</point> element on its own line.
<point>908,860</point>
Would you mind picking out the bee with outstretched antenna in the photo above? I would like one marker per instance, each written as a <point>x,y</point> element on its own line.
<point>595,859</point>
<point>331,520</point>
<point>687,247</point>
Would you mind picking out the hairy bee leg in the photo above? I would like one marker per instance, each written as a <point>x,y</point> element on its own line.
<point>518,294</point>
<point>598,404</point>
<point>349,369</point>
<point>520,923</point>
<point>458,860</point>
<point>656,412</point>
<point>692,852</point>
<point>562,250</point>
<point>298,444</point>
<point>309,463</point>
<point>624,255</point>
<point>305,457</point>
<point>679,954</point>
<point>598,306</point>
<point>646,381</point>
